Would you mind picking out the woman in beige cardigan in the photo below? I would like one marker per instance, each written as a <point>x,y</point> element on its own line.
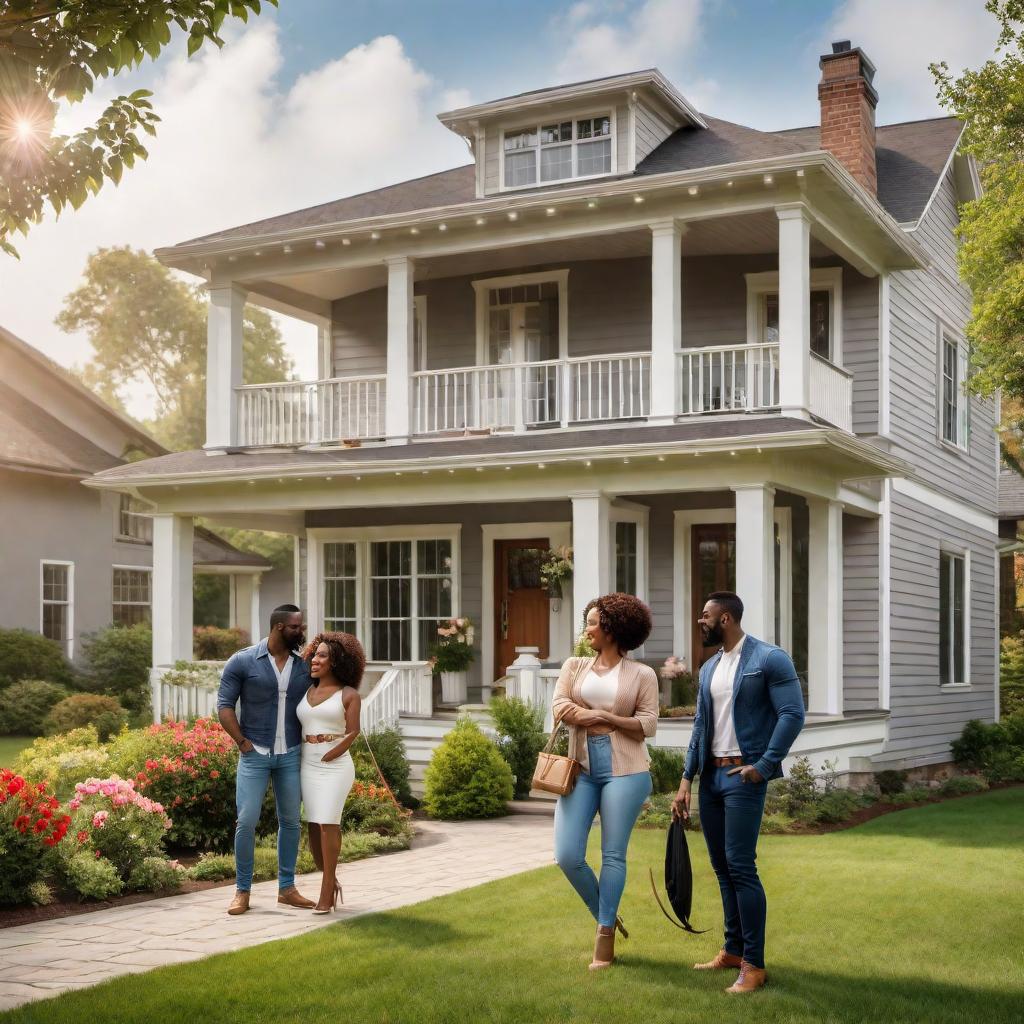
<point>610,704</point>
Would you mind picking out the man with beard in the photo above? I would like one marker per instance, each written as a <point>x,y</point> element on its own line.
<point>267,680</point>
<point>749,712</point>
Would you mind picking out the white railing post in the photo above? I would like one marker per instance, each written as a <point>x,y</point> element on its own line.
<point>400,348</point>
<point>794,309</point>
<point>223,364</point>
<point>666,316</point>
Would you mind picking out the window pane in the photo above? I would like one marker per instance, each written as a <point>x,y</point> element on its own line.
<point>556,133</point>
<point>55,620</point>
<point>520,168</point>
<point>556,163</point>
<point>959,675</point>
<point>520,138</point>
<point>770,333</point>
<point>594,157</point>
<point>625,557</point>
<point>820,321</point>
<point>944,618</point>
<point>950,391</point>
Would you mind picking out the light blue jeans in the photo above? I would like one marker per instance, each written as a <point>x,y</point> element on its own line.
<point>619,799</point>
<point>255,772</point>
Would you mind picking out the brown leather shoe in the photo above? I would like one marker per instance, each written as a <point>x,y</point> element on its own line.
<point>240,904</point>
<point>291,897</point>
<point>604,949</point>
<point>750,980</point>
<point>722,962</point>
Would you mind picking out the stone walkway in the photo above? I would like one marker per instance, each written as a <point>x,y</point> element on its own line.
<point>40,960</point>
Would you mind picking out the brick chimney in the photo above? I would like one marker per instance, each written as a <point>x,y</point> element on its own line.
<point>848,102</point>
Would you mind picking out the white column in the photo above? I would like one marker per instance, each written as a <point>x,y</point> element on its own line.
<point>245,603</point>
<point>755,558</point>
<point>666,317</point>
<point>255,622</point>
<point>794,309</point>
<point>325,349</point>
<point>223,364</point>
<point>172,588</point>
<point>400,349</point>
<point>825,612</point>
<point>591,550</point>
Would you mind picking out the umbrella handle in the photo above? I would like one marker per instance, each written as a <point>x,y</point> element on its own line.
<point>685,926</point>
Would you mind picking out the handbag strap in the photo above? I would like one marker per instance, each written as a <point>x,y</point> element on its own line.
<point>551,739</point>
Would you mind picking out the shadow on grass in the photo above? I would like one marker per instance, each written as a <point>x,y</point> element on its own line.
<point>397,929</point>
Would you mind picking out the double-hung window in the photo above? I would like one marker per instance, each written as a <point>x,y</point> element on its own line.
<point>952,619</point>
<point>133,523</point>
<point>341,583</point>
<point>953,409</point>
<point>56,613</point>
<point>132,600</point>
<point>557,151</point>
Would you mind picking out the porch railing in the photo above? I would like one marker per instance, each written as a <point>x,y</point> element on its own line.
<point>304,412</point>
<point>831,393</point>
<point>404,687</point>
<point>728,378</point>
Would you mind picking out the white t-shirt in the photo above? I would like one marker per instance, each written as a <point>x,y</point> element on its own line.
<point>725,743</point>
<point>284,675</point>
<point>600,691</point>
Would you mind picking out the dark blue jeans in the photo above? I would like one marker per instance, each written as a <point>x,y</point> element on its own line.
<point>730,817</point>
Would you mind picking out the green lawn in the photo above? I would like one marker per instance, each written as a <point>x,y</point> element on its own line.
<point>916,916</point>
<point>11,747</point>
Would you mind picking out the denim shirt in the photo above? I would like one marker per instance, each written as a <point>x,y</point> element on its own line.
<point>248,676</point>
<point>767,709</point>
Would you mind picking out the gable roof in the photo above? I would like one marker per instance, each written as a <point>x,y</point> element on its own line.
<point>910,158</point>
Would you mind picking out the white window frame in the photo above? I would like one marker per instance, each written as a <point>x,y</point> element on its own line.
<point>483,287</point>
<point>823,279</point>
<point>69,604</point>
<point>363,536</point>
<point>132,538</point>
<point>519,125</point>
<point>947,549</point>
<point>639,515</point>
<point>420,318</point>
<point>947,335</point>
<point>135,604</point>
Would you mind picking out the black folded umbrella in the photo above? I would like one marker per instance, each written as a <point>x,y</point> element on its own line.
<point>678,879</point>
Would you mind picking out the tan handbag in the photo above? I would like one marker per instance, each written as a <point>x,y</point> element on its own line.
<point>555,773</point>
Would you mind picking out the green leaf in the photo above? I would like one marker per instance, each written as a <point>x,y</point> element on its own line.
<point>194,43</point>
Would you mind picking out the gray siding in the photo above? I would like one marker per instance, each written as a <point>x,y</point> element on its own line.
<point>919,301</point>
<point>860,614</point>
<point>652,129</point>
<point>359,333</point>
<point>926,718</point>
<point>860,347</point>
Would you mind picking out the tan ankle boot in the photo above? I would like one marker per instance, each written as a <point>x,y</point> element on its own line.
<point>291,897</point>
<point>604,949</point>
<point>750,980</point>
<point>723,961</point>
<point>240,904</point>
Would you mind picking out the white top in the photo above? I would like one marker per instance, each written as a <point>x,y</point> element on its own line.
<point>600,691</point>
<point>724,743</point>
<point>283,677</point>
<point>327,717</point>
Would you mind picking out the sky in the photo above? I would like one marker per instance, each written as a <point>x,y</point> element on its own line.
<point>321,99</point>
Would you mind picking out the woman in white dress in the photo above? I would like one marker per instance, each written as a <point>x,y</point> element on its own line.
<point>329,713</point>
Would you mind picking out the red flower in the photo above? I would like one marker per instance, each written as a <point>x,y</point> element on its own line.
<point>40,826</point>
<point>21,822</point>
<point>15,784</point>
<point>97,854</point>
<point>83,836</point>
<point>215,774</point>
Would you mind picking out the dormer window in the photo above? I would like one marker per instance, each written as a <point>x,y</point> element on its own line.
<point>560,151</point>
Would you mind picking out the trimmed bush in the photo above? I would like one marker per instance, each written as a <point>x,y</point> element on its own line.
<point>521,737</point>
<point>213,867</point>
<point>90,876</point>
<point>156,874</point>
<point>80,709</point>
<point>118,660</point>
<point>959,785</point>
<point>996,750</point>
<point>389,750</point>
<point>833,807</point>
<point>210,643</point>
<point>27,655</point>
<point>911,796</point>
<point>467,777</point>
<point>666,768</point>
<point>25,704</point>
<point>890,781</point>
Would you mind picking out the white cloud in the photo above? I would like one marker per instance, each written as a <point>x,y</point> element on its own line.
<point>903,38</point>
<point>235,147</point>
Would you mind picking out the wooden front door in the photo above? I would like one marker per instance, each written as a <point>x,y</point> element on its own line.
<point>521,611</point>
<point>713,567</point>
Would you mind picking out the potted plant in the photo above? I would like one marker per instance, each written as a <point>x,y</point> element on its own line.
<point>555,567</point>
<point>674,669</point>
<point>451,657</point>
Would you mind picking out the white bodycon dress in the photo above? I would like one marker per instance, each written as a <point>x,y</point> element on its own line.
<point>325,786</point>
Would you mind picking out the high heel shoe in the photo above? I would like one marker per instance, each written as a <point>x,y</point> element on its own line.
<point>334,902</point>
<point>339,894</point>
<point>604,949</point>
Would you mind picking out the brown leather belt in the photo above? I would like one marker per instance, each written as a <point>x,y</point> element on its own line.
<point>722,762</point>
<point>321,737</point>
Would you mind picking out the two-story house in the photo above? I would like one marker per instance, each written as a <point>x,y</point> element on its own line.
<point>705,356</point>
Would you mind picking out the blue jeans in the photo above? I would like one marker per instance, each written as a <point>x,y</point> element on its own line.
<point>619,799</point>
<point>730,817</point>
<point>255,771</point>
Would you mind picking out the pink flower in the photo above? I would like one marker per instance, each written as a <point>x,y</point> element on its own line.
<point>99,819</point>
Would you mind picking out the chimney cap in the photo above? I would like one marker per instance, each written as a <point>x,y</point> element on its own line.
<point>842,48</point>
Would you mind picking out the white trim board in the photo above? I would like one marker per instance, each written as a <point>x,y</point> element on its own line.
<point>560,623</point>
<point>69,643</point>
<point>944,503</point>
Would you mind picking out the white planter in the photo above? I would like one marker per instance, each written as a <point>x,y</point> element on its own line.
<point>454,687</point>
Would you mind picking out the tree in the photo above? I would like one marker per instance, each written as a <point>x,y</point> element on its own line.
<point>52,52</point>
<point>146,324</point>
<point>990,102</point>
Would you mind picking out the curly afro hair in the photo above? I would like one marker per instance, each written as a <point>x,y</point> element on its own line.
<point>348,659</point>
<point>626,619</point>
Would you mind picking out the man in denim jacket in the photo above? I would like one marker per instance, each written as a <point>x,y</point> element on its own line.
<point>268,680</point>
<point>749,711</point>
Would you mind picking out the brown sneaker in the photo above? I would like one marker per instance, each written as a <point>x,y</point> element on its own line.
<point>751,978</point>
<point>240,904</point>
<point>723,961</point>
<point>291,897</point>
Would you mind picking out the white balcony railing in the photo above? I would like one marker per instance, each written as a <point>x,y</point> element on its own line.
<point>831,393</point>
<point>728,378</point>
<point>609,387</point>
<point>304,412</point>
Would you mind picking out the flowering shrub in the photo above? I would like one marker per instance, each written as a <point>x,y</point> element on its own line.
<point>209,643</point>
<point>369,808</point>
<point>61,761</point>
<point>453,651</point>
<point>683,685</point>
<point>30,824</point>
<point>194,778</point>
<point>25,704</point>
<point>110,822</point>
